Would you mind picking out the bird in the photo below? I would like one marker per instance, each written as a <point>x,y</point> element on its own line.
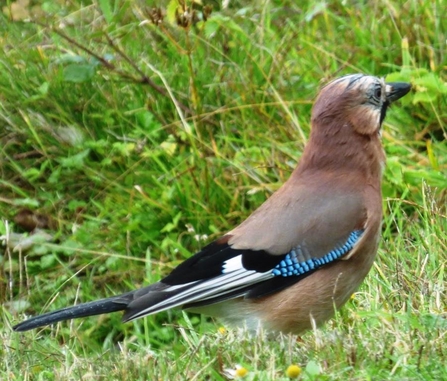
<point>301,255</point>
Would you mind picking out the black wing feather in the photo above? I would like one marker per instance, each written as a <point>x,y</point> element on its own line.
<point>208,263</point>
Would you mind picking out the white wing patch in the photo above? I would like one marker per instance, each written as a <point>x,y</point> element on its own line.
<point>234,277</point>
<point>233,264</point>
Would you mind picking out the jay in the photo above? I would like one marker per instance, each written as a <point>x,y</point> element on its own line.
<point>304,251</point>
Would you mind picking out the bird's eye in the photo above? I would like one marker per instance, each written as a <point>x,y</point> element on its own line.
<point>378,93</point>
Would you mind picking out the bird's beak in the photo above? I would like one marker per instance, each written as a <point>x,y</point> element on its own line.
<point>396,90</point>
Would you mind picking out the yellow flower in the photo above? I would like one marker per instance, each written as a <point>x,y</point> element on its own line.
<point>237,372</point>
<point>222,331</point>
<point>293,371</point>
<point>241,372</point>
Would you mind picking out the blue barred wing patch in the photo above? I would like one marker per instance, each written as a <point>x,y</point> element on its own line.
<point>291,265</point>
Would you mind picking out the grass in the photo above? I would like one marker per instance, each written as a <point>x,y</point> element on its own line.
<point>138,141</point>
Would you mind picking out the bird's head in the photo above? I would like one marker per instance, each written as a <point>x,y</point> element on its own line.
<point>346,122</point>
<point>361,101</point>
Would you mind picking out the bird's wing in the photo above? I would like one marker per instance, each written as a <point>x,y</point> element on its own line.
<point>295,232</point>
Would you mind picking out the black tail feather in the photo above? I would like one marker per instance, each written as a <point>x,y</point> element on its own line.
<point>98,307</point>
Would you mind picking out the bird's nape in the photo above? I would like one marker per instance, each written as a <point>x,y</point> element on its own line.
<point>306,249</point>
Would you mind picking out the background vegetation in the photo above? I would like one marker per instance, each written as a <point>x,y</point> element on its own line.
<point>133,132</point>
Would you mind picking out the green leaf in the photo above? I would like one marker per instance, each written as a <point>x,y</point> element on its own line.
<point>31,174</point>
<point>106,10</point>
<point>424,97</point>
<point>397,77</point>
<point>43,88</point>
<point>315,10</point>
<point>55,176</point>
<point>428,87</point>
<point>78,73</point>
<point>313,368</point>
<point>431,177</point>
<point>393,170</point>
<point>26,202</point>
<point>70,58</point>
<point>123,149</point>
<point>69,247</point>
<point>172,225</point>
<point>432,82</point>
<point>47,261</point>
<point>51,7</point>
<point>211,27</point>
<point>146,119</point>
<point>171,11</point>
<point>75,161</point>
<point>226,22</point>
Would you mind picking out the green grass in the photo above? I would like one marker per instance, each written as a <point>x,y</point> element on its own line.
<point>142,143</point>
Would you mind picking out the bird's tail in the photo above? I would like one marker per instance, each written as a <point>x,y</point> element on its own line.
<point>98,307</point>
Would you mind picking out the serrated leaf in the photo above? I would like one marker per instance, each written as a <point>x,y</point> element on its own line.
<point>397,77</point>
<point>432,82</point>
<point>406,75</point>
<point>424,96</point>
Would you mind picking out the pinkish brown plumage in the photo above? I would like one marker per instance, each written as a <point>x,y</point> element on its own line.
<point>306,249</point>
